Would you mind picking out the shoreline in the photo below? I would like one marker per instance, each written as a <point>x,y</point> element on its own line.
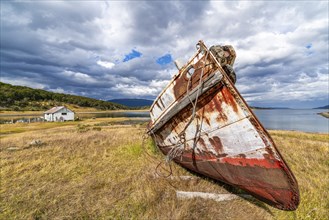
<point>324,114</point>
<point>118,119</point>
<point>98,114</point>
<point>38,113</point>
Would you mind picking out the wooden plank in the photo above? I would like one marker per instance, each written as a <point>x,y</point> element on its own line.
<point>213,196</point>
<point>207,84</point>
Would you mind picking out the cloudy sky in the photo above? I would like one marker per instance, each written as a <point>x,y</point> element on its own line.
<point>118,49</point>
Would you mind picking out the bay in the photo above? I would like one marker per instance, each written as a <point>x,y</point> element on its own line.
<point>119,114</point>
<point>307,120</point>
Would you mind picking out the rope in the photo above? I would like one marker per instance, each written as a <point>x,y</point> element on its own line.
<point>179,148</point>
<point>169,171</point>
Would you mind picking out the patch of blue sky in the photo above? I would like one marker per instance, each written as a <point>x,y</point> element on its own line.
<point>164,60</point>
<point>309,52</point>
<point>308,46</point>
<point>132,55</point>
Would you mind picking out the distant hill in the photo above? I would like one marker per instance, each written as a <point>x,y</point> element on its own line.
<point>133,102</point>
<point>323,107</point>
<point>267,108</point>
<point>21,98</point>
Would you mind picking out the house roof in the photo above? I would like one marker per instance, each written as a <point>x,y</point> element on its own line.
<point>54,109</point>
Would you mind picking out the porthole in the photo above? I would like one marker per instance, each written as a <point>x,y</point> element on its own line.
<point>190,71</point>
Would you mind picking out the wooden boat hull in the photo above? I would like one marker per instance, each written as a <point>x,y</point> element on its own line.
<point>222,137</point>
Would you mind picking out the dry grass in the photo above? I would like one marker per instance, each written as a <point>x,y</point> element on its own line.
<point>6,129</point>
<point>97,169</point>
<point>308,156</point>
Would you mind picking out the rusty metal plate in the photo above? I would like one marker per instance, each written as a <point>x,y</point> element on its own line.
<point>223,139</point>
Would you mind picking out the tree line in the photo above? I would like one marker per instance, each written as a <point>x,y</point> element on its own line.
<point>24,98</point>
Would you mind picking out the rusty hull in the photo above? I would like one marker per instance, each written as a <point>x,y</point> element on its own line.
<point>224,140</point>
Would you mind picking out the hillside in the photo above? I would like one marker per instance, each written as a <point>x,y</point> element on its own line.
<point>21,98</point>
<point>133,102</point>
<point>323,107</point>
<point>268,108</point>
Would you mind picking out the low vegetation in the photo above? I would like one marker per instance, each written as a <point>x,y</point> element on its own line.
<point>99,169</point>
<point>324,114</point>
<point>21,98</point>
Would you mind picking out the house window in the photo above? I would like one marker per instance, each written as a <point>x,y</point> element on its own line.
<point>64,113</point>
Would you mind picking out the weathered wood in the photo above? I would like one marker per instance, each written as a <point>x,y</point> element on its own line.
<point>222,139</point>
<point>207,84</point>
<point>213,196</point>
<point>178,177</point>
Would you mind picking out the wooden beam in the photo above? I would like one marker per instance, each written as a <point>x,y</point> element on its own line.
<point>214,196</point>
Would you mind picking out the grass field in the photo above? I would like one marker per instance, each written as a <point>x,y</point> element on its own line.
<point>98,169</point>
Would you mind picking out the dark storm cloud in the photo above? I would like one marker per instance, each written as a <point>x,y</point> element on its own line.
<point>79,47</point>
<point>152,20</point>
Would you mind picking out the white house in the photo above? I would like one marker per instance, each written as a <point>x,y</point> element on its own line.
<point>59,113</point>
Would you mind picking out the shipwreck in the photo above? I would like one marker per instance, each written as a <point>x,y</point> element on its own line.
<point>201,121</point>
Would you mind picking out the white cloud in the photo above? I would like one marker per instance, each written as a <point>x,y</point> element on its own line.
<point>105,64</point>
<point>136,90</point>
<point>82,48</point>
<point>80,77</point>
<point>23,82</point>
<point>57,90</point>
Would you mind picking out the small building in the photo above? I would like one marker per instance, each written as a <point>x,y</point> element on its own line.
<point>59,113</point>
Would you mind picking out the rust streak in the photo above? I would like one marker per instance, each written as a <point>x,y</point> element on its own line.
<point>182,80</point>
<point>238,161</point>
<point>202,143</point>
<point>217,144</point>
<point>207,120</point>
<point>221,115</point>
<point>242,155</point>
<point>229,99</point>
